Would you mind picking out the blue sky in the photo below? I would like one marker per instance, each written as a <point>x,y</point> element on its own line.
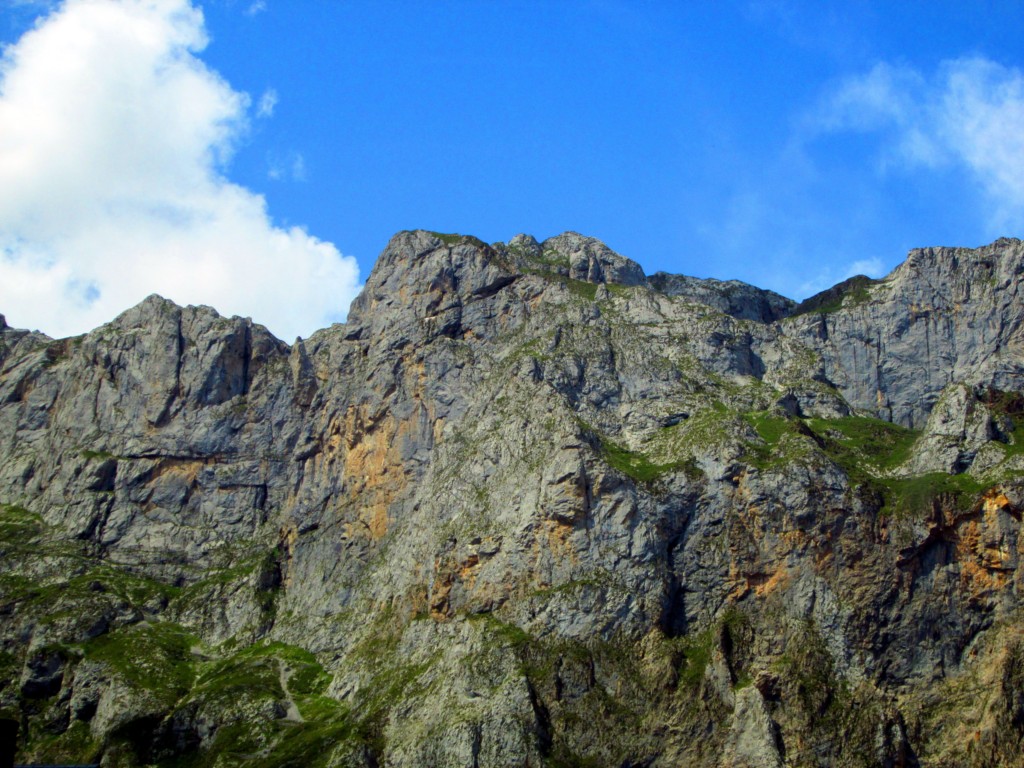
<point>787,144</point>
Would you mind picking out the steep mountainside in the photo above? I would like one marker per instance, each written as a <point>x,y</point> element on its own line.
<point>526,506</point>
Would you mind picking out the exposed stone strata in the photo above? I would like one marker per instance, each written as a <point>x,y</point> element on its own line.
<point>527,506</point>
<point>944,316</point>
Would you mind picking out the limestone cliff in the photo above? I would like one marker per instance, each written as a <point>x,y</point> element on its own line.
<point>527,506</point>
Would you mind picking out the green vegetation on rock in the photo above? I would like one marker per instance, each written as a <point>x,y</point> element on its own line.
<point>633,464</point>
<point>448,238</point>
<point>917,496</point>
<point>862,445</point>
<point>156,657</point>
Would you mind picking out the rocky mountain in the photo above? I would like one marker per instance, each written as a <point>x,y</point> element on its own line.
<point>526,507</point>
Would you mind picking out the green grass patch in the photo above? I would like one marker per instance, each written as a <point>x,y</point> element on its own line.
<point>1011,406</point>
<point>448,238</point>
<point>696,657</point>
<point>916,496</point>
<point>130,587</point>
<point>87,454</point>
<point>253,669</point>
<point>533,348</point>
<point>633,464</point>
<point>1015,446</point>
<point>868,449</point>
<point>311,744</point>
<point>502,634</point>
<point>85,593</point>
<point>237,684</point>
<point>566,758</point>
<point>550,259</point>
<point>10,668</point>
<point>743,680</point>
<point>237,565</point>
<point>864,445</point>
<point>394,683</point>
<point>807,672</point>
<point>17,525</point>
<point>156,657</point>
<point>783,440</point>
<point>704,429</point>
<point>75,745</point>
<point>307,677</point>
<point>582,289</point>
<point>638,466</point>
<point>603,580</point>
<point>768,427</point>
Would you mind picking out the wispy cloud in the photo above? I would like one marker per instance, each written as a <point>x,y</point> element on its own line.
<point>288,167</point>
<point>114,139</point>
<point>267,103</point>
<point>969,113</point>
<point>257,6</point>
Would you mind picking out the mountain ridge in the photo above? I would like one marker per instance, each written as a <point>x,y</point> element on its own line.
<point>513,512</point>
<point>524,252</point>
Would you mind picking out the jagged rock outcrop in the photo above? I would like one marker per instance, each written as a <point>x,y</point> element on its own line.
<point>526,506</point>
<point>944,316</point>
<point>731,297</point>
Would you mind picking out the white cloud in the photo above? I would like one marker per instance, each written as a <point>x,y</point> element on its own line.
<point>257,6</point>
<point>970,113</point>
<point>113,141</point>
<point>288,167</point>
<point>267,103</point>
<point>983,123</point>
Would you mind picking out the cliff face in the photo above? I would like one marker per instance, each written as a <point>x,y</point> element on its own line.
<point>526,507</point>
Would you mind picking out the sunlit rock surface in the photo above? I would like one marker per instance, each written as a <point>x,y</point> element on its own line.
<point>527,506</point>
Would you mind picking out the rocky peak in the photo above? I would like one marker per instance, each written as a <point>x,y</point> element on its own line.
<point>427,264</point>
<point>592,261</point>
<point>731,297</point>
<point>147,312</point>
<point>942,274</point>
<point>945,315</point>
<point>425,283</point>
<point>426,277</point>
<point>525,246</point>
<point>576,257</point>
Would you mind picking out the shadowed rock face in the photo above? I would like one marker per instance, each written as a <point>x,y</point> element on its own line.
<point>526,506</point>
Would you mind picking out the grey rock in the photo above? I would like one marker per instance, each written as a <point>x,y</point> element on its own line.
<point>751,740</point>
<point>89,681</point>
<point>573,256</point>
<point>43,675</point>
<point>731,297</point>
<point>957,428</point>
<point>945,315</point>
<point>524,506</point>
